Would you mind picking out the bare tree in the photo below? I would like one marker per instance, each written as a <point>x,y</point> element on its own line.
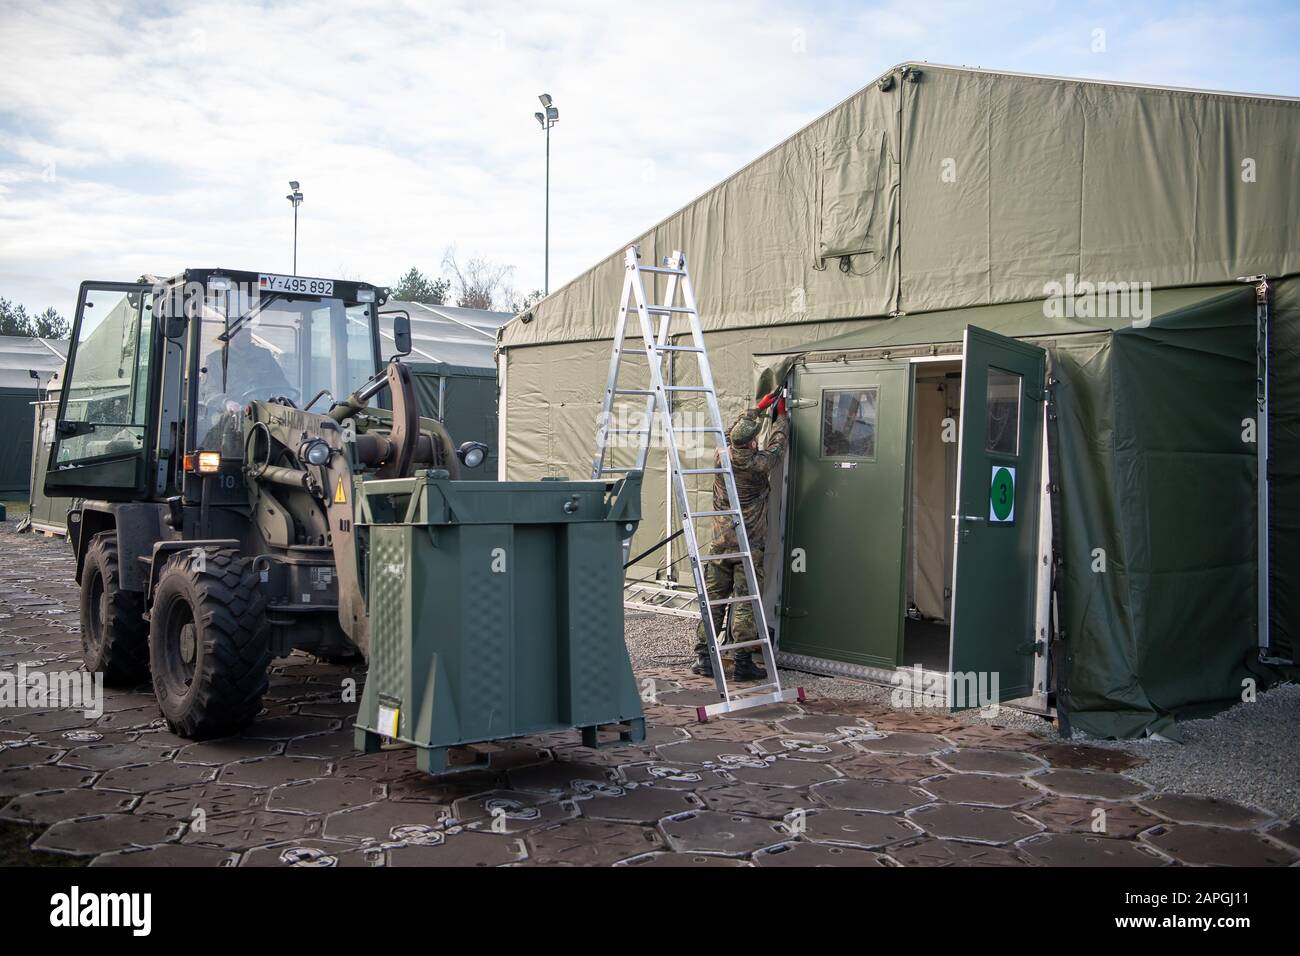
<point>478,283</point>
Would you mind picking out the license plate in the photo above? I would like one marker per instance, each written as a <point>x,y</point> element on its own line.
<point>295,284</point>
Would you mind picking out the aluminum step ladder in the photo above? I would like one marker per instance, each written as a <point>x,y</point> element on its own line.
<point>655,346</point>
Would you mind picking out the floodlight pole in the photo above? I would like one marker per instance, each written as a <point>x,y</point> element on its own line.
<point>548,117</point>
<point>295,199</point>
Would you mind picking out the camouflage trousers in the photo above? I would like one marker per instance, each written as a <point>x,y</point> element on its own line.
<point>724,579</point>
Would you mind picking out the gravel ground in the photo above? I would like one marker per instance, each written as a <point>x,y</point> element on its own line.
<point>1249,753</point>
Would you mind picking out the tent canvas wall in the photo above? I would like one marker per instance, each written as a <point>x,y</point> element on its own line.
<point>19,357</point>
<point>937,188</point>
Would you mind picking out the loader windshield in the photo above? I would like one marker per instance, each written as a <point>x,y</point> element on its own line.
<point>284,347</point>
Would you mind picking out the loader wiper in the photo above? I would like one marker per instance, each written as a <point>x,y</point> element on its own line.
<point>233,327</point>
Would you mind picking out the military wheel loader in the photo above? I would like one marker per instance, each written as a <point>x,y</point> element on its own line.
<point>252,478</point>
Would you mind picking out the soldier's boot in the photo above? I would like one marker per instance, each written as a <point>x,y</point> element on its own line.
<point>703,665</point>
<point>746,669</point>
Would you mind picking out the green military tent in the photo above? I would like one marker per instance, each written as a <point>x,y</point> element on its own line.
<point>1060,255</point>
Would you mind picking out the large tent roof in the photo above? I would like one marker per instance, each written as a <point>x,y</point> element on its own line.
<point>22,355</point>
<point>445,334</point>
<point>939,187</point>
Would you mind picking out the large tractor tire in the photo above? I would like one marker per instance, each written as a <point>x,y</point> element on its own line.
<point>209,648</point>
<point>114,633</point>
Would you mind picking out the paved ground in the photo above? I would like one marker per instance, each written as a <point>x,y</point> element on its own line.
<point>832,782</point>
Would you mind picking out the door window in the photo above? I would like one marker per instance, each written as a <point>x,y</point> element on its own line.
<point>1002,434</point>
<point>107,392</point>
<point>849,423</point>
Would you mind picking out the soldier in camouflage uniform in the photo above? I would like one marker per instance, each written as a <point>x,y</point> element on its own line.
<point>723,579</point>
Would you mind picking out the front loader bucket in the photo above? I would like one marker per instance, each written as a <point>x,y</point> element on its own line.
<point>496,611</point>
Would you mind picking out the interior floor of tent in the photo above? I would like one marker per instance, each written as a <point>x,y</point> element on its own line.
<point>936,398</point>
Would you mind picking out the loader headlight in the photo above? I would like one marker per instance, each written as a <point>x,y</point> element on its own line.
<point>316,452</point>
<point>472,453</point>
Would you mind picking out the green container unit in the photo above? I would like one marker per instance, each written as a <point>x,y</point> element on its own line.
<point>496,611</point>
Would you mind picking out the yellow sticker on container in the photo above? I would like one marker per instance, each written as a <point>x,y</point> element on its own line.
<point>340,497</point>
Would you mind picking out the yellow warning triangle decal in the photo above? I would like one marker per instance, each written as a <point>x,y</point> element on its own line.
<point>339,497</point>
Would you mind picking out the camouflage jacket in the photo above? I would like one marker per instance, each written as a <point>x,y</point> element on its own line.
<point>753,469</point>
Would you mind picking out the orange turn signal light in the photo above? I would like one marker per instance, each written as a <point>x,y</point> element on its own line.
<point>202,462</point>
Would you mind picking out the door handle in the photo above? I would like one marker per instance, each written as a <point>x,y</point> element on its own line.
<point>969,517</point>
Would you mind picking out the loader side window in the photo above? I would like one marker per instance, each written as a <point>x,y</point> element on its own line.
<point>107,390</point>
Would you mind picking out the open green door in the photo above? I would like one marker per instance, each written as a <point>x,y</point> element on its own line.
<point>996,543</point>
<point>843,577</point>
<point>101,445</point>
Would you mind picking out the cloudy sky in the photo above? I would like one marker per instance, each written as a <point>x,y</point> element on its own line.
<point>150,136</point>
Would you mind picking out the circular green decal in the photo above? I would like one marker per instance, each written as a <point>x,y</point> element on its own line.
<point>1002,496</point>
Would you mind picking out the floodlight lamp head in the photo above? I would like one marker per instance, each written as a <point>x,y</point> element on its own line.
<point>545,99</point>
<point>541,120</point>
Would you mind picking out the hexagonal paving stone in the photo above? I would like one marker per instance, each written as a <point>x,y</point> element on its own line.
<point>1007,762</point>
<point>89,836</point>
<point>1288,833</point>
<point>737,731</point>
<point>858,828</point>
<point>822,725</point>
<point>675,776</point>
<point>993,737</point>
<point>18,780</point>
<point>227,750</point>
<point>755,800</point>
<point>421,787</point>
<point>158,776</point>
<point>1210,846</point>
<point>314,854</point>
<point>334,744</point>
<point>271,771</point>
<point>511,811</point>
<point>904,742</point>
<point>802,748</point>
<point>385,821</point>
<point>898,769</point>
<point>767,712</point>
<point>1211,811</point>
<point>560,777</point>
<point>639,805</point>
<point>985,790</point>
<point>464,848</point>
<point>1079,815</point>
<point>709,753</point>
<point>731,834</point>
<point>107,756</point>
<point>286,728</point>
<point>45,721</point>
<point>930,852</point>
<point>692,698</point>
<point>589,843</point>
<point>385,766</point>
<point>816,854</point>
<point>1084,849</point>
<point>977,824</point>
<point>1089,783</point>
<point>134,718</point>
<point>324,795</point>
<point>1083,757</point>
<point>28,755</point>
<point>879,796</point>
<point>168,854</point>
<point>258,828</point>
<point>655,860</point>
<point>785,772</point>
<point>51,806</point>
<point>213,799</point>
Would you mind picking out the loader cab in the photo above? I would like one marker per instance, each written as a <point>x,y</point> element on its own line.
<point>158,372</point>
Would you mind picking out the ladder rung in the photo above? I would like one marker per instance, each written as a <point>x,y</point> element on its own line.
<point>755,688</point>
<point>633,391</point>
<point>687,388</point>
<point>743,599</point>
<point>712,514</point>
<point>723,557</point>
<point>669,310</point>
<point>678,348</point>
<point>633,351</point>
<point>703,471</point>
<point>660,271</point>
<point>618,471</point>
<point>700,428</point>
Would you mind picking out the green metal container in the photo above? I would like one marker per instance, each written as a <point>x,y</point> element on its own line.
<point>496,611</point>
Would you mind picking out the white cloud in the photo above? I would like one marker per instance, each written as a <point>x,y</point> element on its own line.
<point>147,141</point>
